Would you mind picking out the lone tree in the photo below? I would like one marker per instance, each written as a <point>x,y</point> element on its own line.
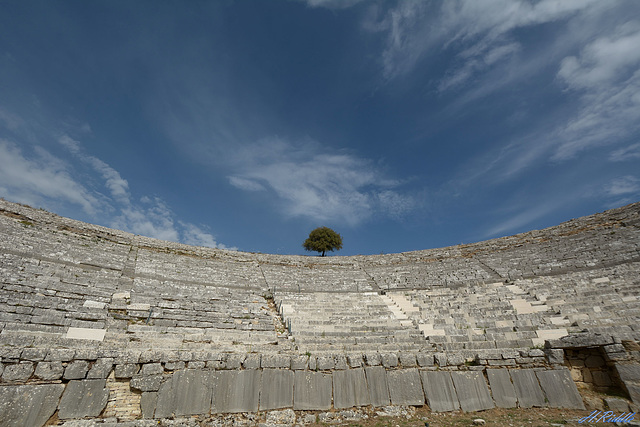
<point>323,239</point>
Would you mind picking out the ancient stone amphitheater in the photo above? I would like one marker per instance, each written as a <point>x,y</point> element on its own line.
<point>103,327</point>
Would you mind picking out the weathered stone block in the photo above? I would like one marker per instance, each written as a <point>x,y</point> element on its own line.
<point>49,370</point>
<point>277,389</point>
<point>372,359</point>
<point>76,370</point>
<point>280,361</point>
<point>299,362</point>
<point>17,372</point>
<point>151,369</point>
<point>252,361</point>
<point>236,391</point>
<point>83,398</point>
<point>312,390</point>
<point>127,370</point>
<point>472,391</point>
<point>440,391</point>
<point>424,359</point>
<point>325,363</point>
<point>146,382</point>
<point>378,385</point>
<point>185,393</point>
<point>28,405</point>
<point>560,390</point>
<point>350,389</point>
<point>389,360</point>
<point>405,387</point>
<point>101,368</point>
<point>504,394</point>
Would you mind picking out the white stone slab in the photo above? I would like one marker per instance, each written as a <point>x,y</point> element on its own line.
<point>94,304</point>
<point>86,334</point>
<point>549,334</point>
<point>139,307</point>
<point>522,306</point>
<point>427,330</point>
<point>601,280</point>
<point>121,295</point>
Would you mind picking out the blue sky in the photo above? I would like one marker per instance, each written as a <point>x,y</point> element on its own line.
<point>245,124</point>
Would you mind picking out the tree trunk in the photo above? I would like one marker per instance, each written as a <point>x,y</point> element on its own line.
<point>322,253</point>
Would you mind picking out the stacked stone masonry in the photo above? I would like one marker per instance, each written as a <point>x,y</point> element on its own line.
<point>96,322</point>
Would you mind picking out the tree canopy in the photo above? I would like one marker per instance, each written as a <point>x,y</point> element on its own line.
<point>323,239</point>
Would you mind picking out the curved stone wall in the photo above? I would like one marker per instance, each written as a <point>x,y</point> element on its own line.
<point>136,322</point>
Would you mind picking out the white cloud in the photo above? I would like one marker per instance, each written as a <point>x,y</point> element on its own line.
<point>331,4</point>
<point>624,185</point>
<point>245,184</point>
<point>626,153</point>
<point>312,182</point>
<point>483,29</point>
<point>41,177</point>
<point>607,76</point>
<point>118,187</point>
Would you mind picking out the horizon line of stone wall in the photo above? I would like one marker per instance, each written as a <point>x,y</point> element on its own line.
<point>588,243</point>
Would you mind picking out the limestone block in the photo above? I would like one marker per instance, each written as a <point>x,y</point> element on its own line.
<point>350,389</point>
<point>504,394</point>
<point>251,361</point>
<point>28,405</point>
<point>389,360</point>
<point>560,389</point>
<point>325,363</point>
<point>235,391</point>
<point>234,361</point>
<point>60,354</point>
<point>126,370</point>
<point>101,368</point>
<point>312,390</point>
<point>276,361</point>
<point>17,372</point>
<point>355,360</point>
<point>277,389</point>
<point>76,370</point>
<point>378,385</point>
<point>555,356</point>
<point>152,369</point>
<point>472,391</point>
<point>49,370</point>
<point>340,361</point>
<point>33,354</point>
<point>628,372</point>
<point>185,393</point>
<point>616,404</point>
<point>440,391</point>
<point>425,359</point>
<point>407,360</point>
<point>86,334</point>
<point>174,366</point>
<point>299,362</point>
<point>148,402</point>
<point>146,382</point>
<point>83,398</point>
<point>372,359</point>
<point>527,388</point>
<point>405,387</point>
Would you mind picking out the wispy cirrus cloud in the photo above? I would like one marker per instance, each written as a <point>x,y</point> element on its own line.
<point>606,74</point>
<point>37,177</point>
<point>315,182</point>
<point>482,29</point>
